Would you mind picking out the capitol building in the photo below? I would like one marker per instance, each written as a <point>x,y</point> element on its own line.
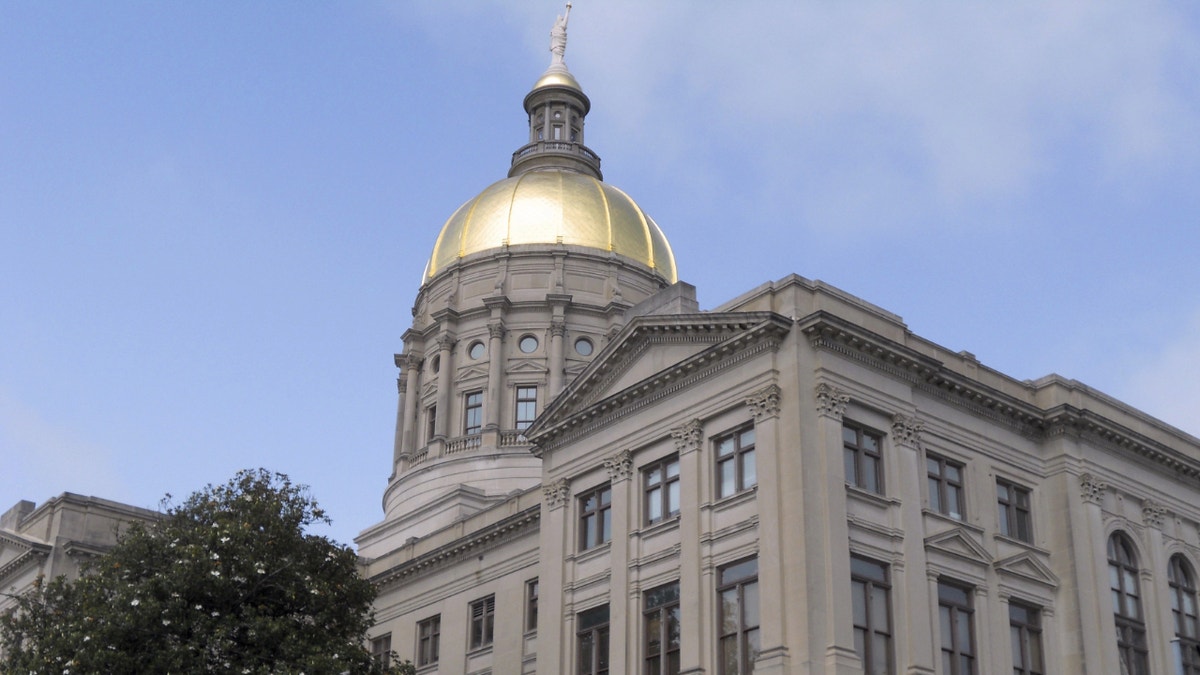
<point>593,475</point>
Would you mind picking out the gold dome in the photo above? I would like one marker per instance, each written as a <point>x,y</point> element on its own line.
<point>553,207</point>
<point>557,78</point>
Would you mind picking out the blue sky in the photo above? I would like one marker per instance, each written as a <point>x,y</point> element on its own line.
<point>214,216</point>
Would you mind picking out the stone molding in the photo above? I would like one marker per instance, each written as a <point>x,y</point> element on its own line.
<point>1154,514</point>
<point>764,403</point>
<point>496,330</point>
<point>1091,489</point>
<point>906,431</point>
<point>620,466</point>
<point>446,342</point>
<point>557,494</point>
<point>558,328</point>
<point>831,401</point>
<point>689,437</point>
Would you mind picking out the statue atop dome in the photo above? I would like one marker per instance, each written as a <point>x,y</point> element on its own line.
<point>558,39</point>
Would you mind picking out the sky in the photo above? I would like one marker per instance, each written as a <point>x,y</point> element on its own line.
<point>214,216</point>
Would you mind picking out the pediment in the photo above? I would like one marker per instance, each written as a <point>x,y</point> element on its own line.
<point>471,372</point>
<point>653,353</point>
<point>527,367</point>
<point>1027,566</point>
<point>17,552</point>
<point>958,543</point>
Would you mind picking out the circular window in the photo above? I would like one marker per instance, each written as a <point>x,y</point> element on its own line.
<point>476,350</point>
<point>529,344</point>
<point>583,346</point>
<point>436,364</point>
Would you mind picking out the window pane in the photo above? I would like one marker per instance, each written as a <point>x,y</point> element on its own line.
<point>673,498</point>
<point>747,438</point>
<point>880,656</point>
<point>749,478</point>
<point>870,474</point>
<point>848,460</point>
<point>858,593</point>
<point>935,497</point>
<point>750,607</point>
<point>726,470</point>
<point>879,608</point>
<point>654,505</point>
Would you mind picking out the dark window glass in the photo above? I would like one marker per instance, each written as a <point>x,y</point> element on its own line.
<point>1183,608</point>
<point>737,619</point>
<point>595,517</point>
<point>660,481</point>
<point>1025,631</point>
<point>1015,518</point>
<point>483,621</point>
<point>1127,606</point>
<point>430,422</point>
<point>473,413</point>
<point>591,641</point>
<point>861,454</point>
<point>429,632</point>
<point>945,486</point>
<point>531,604</point>
<point>736,469</point>
<point>526,407</point>
<point>872,610</point>
<point>956,618</point>
<point>381,650</point>
<point>660,616</point>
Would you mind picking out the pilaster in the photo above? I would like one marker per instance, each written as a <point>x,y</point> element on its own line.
<point>620,620</point>
<point>915,648</point>
<point>773,656</point>
<point>694,623</point>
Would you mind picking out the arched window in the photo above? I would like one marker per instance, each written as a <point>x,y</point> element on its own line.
<point>1127,606</point>
<point>1183,607</point>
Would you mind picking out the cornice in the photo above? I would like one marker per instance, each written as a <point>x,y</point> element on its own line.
<point>1107,433</point>
<point>31,552</point>
<point>472,544</point>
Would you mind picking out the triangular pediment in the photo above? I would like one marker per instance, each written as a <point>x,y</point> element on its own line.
<point>655,352</point>
<point>16,552</point>
<point>1027,566</point>
<point>527,368</point>
<point>471,372</point>
<point>959,543</point>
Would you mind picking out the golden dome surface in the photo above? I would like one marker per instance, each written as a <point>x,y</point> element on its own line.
<point>553,207</point>
<point>557,78</point>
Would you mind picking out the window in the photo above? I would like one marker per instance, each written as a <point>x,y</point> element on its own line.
<point>526,407</point>
<point>430,423</point>
<point>531,604</point>
<point>473,413</point>
<point>381,650</point>
<point>1183,608</point>
<point>735,462</point>
<point>483,621</point>
<point>956,617</point>
<point>591,640</point>
<point>528,344</point>
<point>737,594</point>
<point>1025,629</point>
<point>1127,606</point>
<point>870,594</point>
<point>864,465</point>
<point>476,350</point>
<point>1013,501</point>
<point>945,486</point>
<point>428,633</point>
<point>595,517</point>
<point>660,616</point>
<point>661,484</point>
<point>583,346</point>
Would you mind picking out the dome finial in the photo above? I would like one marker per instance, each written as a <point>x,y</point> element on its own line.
<point>558,40</point>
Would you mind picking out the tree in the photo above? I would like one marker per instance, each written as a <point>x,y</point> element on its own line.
<point>226,582</point>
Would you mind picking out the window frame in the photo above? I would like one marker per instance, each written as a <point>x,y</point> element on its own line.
<point>603,514</point>
<point>855,455</point>
<point>663,613</point>
<point>1181,580</point>
<point>381,649</point>
<point>737,458</point>
<point>597,635</point>
<point>429,633</point>
<point>954,608</point>
<point>660,493</point>
<point>1133,649</point>
<point>531,605</point>
<point>482,629</point>
<point>430,422</point>
<point>940,485</point>
<point>868,583</point>
<point>744,630</point>
<point>525,403</point>
<point>1015,518</point>
<point>1024,633</point>
<point>472,412</point>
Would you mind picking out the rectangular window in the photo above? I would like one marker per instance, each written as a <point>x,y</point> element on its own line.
<point>591,641</point>
<point>429,632</point>
<point>526,407</point>
<point>1025,629</point>
<point>660,481</point>
<point>473,413</point>
<point>595,517</point>
<point>945,486</point>
<point>430,423</point>
<point>864,463</point>
<point>381,650</point>
<point>660,616</point>
<point>956,617</point>
<point>483,621</point>
<point>735,462</point>
<point>737,596</point>
<point>531,604</point>
<point>1015,518</point>
<point>871,598</point>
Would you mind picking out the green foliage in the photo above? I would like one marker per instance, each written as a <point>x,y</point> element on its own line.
<point>227,582</point>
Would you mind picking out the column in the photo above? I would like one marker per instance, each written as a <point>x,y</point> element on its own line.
<point>620,468</point>
<point>398,441</point>
<point>694,611</point>
<point>916,647</point>
<point>495,389</point>
<point>411,371</point>
<point>1160,623</point>
<point>558,329</point>
<point>445,385</point>
<point>555,621</point>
